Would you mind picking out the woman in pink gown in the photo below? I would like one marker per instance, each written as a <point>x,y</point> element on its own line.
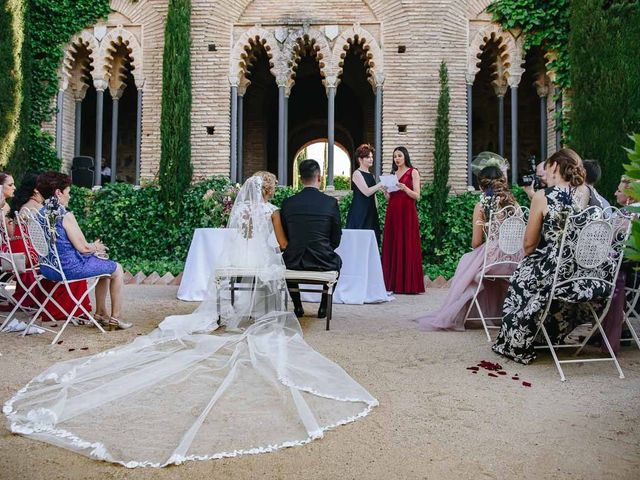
<point>495,196</point>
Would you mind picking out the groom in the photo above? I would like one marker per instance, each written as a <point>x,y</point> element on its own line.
<point>311,221</point>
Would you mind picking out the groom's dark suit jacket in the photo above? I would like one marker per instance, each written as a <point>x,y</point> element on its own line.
<point>311,221</point>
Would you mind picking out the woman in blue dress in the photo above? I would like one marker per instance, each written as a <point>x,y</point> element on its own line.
<point>79,258</point>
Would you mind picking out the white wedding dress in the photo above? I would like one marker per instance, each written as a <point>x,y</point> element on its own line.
<point>181,393</point>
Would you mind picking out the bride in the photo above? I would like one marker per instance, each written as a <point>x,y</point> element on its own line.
<point>180,393</point>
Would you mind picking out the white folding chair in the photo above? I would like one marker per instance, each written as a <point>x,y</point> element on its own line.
<point>48,254</point>
<point>591,250</point>
<point>19,264</point>
<point>632,295</point>
<point>503,249</point>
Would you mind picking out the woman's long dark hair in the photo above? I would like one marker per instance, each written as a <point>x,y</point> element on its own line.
<point>407,159</point>
<point>23,192</point>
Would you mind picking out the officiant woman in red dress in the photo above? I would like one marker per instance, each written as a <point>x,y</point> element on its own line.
<point>401,249</point>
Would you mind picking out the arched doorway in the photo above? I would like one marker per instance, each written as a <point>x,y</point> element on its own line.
<point>318,150</point>
<point>283,98</point>
<point>118,95</point>
<point>260,117</point>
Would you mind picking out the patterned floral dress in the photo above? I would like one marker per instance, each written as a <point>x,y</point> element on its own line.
<point>532,281</point>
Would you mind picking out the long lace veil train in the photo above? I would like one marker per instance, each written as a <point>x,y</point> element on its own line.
<point>181,393</point>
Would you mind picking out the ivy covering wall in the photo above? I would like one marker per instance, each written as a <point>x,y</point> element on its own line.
<point>605,80</point>
<point>47,27</point>
<point>175,123</point>
<point>11,75</point>
<point>545,24</point>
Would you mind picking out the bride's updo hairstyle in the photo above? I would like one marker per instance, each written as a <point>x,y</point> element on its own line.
<point>494,184</point>
<point>269,182</point>
<point>569,166</point>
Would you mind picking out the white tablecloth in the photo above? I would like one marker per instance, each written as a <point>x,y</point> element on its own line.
<point>361,279</point>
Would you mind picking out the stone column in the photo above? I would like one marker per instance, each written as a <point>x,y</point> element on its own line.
<point>558,119</point>
<point>501,91</point>
<point>77,127</point>
<point>138,133</point>
<point>59,121</point>
<point>281,125</point>
<point>115,102</point>
<point>542,90</point>
<point>331,95</point>
<point>285,171</point>
<point>378,132</point>
<point>514,80</point>
<point>240,173</point>
<point>470,77</point>
<point>100,86</point>
<point>233,169</point>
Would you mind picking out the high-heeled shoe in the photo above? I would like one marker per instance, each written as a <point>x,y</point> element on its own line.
<point>103,320</point>
<point>115,324</point>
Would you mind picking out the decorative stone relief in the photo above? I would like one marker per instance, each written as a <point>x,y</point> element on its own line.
<point>281,34</point>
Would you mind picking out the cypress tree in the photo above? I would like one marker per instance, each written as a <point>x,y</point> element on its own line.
<point>605,80</point>
<point>441,157</point>
<point>175,123</point>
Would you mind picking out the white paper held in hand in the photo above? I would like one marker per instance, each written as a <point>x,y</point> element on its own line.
<point>391,182</point>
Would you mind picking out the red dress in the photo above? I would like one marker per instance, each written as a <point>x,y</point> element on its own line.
<point>401,249</point>
<point>61,296</point>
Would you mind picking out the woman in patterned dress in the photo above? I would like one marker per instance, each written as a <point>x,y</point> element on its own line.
<point>532,281</point>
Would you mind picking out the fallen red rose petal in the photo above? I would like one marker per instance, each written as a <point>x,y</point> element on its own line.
<point>475,371</point>
<point>473,368</point>
<point>526,384</point>
<point>72,349</point>
<point>502,372</point>
<point>515,378</point>
<point>59,342</point>
<point>492,374</point>
<point>84,348</point>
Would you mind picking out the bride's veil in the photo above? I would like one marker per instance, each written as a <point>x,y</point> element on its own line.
<point>175,395</point>
<point>248,279</point>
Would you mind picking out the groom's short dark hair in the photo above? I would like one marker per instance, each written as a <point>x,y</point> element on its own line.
<point>309,169</point>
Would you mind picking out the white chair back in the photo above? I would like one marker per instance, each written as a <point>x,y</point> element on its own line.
<point>592,246</point>
<point>41,242</point>
<point>505,236</point>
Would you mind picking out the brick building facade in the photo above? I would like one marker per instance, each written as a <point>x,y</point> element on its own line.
<point>270,76</point>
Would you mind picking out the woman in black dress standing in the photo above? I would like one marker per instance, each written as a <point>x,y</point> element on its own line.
<point>363,214</point>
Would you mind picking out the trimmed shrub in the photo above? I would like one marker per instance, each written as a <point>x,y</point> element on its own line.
<point>605,80</point>
<point>175,122</point>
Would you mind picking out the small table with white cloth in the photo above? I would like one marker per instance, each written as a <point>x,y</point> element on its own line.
<point>361,280</point>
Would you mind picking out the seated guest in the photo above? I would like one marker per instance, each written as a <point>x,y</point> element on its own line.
<point>78,258</point>
<point>311,223</point>
<point>495,196</point>
<point>363,214</point>
<point>613,321</point>
<point>532,281</point>
<point>28,198</point>
<point>594,172</point>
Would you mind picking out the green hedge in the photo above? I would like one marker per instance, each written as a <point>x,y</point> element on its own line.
<point>131,222</point>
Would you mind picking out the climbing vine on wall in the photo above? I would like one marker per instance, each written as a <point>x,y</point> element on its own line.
<point>11,77</point>
<point>545,24</point>
<point>49,26</point>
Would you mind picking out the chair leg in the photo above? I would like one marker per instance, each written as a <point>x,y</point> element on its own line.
<point>553,351</point>
<point>329,308</point>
